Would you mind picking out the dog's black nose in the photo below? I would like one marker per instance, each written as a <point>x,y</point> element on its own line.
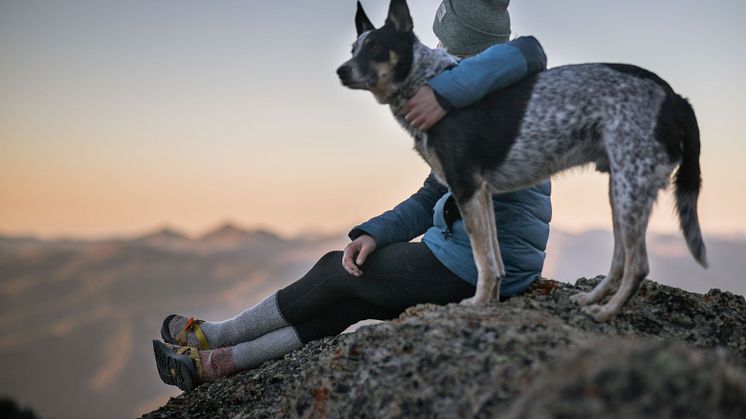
<point>344,72</point>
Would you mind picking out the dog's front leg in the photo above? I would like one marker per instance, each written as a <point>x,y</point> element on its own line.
<point>478,217</point>
<point>489,215</point>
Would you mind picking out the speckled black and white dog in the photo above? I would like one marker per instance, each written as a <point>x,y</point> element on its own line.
<point>626,120</point>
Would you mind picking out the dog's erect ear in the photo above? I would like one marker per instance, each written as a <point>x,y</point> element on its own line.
<point>399,16</point>
<point>362,23</point>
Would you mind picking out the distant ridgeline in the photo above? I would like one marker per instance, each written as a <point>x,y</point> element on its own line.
<point>106,297</point>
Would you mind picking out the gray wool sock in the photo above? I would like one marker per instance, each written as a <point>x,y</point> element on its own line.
<point>247,325</point>
<point>223,362</point>
<point>251,354</point>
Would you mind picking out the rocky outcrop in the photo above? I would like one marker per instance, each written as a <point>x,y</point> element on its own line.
<point>632,379</point>
<point>670,353</point>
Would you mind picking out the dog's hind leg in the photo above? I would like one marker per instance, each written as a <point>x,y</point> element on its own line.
<point>633,196</point>
<point>479,221</point>
<point>489,216</point>
<point>617,262</point>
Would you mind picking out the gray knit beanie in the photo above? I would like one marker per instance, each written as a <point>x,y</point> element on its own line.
<point>466,27</point>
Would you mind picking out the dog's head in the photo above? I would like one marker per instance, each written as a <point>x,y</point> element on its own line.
<point>381,58</point>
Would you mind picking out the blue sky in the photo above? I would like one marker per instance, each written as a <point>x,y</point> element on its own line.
<point>120,116</point>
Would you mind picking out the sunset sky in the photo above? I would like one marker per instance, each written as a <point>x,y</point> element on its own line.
<point>117,117</point>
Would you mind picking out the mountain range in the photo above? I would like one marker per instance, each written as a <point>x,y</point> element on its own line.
<point>77,316</point>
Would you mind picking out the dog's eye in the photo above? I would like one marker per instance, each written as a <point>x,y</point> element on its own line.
<point>378,53</point>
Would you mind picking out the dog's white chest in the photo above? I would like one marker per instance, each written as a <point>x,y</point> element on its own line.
<point>430,157</point>
<point>424,148</point>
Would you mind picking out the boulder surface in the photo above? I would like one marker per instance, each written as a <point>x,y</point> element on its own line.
<point>668,354</point>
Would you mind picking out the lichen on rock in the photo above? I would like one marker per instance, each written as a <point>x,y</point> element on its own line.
<point>632,378</point>
<point>669,352</point>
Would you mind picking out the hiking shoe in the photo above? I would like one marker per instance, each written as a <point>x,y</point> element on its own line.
<point>178,366</point>
<point>181,338</point>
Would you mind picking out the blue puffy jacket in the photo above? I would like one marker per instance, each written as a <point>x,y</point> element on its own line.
<point>522,217</point>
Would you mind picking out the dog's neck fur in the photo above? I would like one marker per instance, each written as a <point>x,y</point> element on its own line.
<point>426,64</point>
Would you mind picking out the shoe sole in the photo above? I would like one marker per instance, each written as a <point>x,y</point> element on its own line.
<point>165,333</point>
<point>174,369</point>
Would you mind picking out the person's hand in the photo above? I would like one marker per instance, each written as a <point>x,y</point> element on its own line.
<point>423,110</point>
<point>358,250</point>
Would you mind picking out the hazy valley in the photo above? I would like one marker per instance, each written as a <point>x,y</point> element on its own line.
<point>77,317</point>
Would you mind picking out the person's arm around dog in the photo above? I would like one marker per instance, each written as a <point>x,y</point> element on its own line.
<point>496,68</point>
<point>473,78</point>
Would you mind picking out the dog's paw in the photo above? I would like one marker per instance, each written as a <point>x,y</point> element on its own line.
<point>473,301</point>
<point>598,312</point>
<point>468,302</point>
<point>582,298</point>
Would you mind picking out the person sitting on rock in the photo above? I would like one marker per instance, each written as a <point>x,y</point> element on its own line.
<point>380,273</point>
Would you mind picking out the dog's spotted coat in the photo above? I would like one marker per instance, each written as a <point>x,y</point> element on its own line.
<point>624,119</point>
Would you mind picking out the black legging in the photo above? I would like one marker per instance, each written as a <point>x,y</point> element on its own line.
<point>327,299</point>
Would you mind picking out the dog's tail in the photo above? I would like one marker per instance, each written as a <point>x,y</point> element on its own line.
<point>688,181</point>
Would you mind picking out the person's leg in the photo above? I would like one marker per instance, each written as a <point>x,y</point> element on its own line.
<point>250,354</point>
<point>250,324</point>
<point>187,367</point>
<point>394,277</point>
<point>244,356</point>
<point>327,300</point>
<point>253,322</point>
<point>338,318</point>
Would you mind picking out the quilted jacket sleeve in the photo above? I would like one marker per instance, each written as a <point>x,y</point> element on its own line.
<point>493,69</point>
<point>407,220</point>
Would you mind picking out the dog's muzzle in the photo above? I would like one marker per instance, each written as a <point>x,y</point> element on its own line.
<point>345,74</point>
<point>348,77</point>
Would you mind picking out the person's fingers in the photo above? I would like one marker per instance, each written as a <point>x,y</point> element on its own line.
<point>413,115</point>
<point>352,269</point>
<point>346,259</point>
<point>419,122</point>
<point>407,107</point>
<point>363,254</point>
<point>347,262</point>
<point>433,119</point>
